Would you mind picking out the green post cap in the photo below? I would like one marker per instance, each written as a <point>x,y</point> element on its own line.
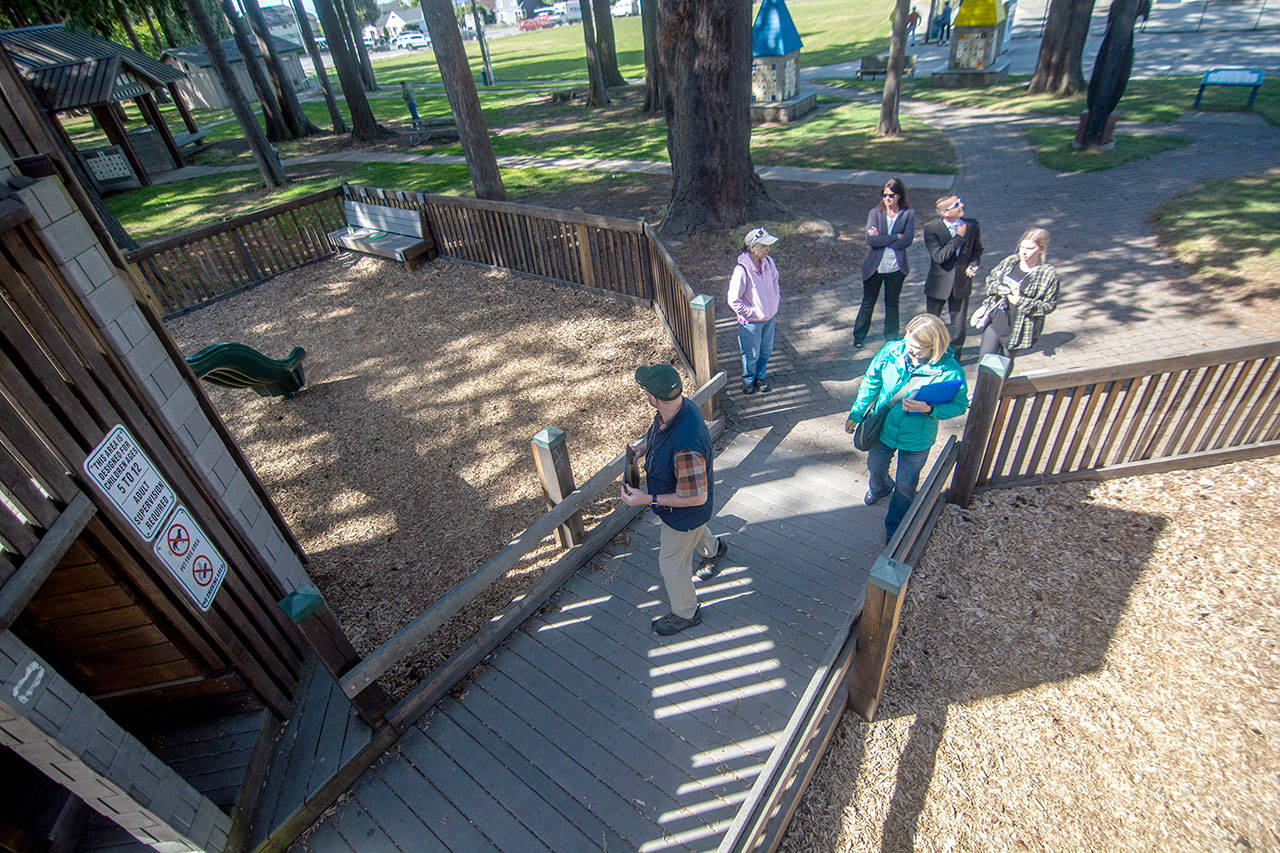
<point>301,603</point>
<point>701,302</point>
<point>549,438</point>
<point>890,575</point>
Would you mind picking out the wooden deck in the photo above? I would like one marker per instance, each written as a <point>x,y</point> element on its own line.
<point>586,731</point>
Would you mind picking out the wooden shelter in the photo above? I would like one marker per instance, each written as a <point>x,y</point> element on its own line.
<point>70,69</point>
<point>201,87</point>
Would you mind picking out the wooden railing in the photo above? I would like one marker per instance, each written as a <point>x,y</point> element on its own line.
<point>1159,415</point>
<point>474,650</point>
<point>618,256</point>
<point>852,675</point>
<point>190,269</point>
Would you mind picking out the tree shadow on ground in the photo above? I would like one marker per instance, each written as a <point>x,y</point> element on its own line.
<point>990,613</point>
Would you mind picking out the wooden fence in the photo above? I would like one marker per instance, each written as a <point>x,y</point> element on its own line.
<point>1159,415</point>
<point>191,269</point>
<point>618,256</point>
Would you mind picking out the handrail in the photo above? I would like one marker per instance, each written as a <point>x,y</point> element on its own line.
<point>1186,411</point>
<point>764,815</point>
<point>465,591</point>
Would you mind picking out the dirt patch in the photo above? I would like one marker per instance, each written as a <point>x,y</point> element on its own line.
<point>404,463</point>
<point>1080,667</point>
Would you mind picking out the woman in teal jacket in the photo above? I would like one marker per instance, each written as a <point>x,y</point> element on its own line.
<point>922,358</point>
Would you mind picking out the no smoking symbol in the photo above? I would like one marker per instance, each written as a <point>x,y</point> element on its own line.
<point>179,540</point>
<point>202,570</point>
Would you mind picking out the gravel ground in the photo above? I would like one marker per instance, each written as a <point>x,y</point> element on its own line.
<point>1080,667</point>
<point>404,462</point>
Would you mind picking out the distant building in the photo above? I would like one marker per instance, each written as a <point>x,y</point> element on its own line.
<point>201,87</point>
<point>282,24</point>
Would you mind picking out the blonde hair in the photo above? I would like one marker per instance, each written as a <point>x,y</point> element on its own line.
<point>1040,237</point>
<point>941,206</point>
<point>930,331</point>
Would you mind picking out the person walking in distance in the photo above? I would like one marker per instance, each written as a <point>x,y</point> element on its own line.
<point>954,242</point>
<point>679,473</point>
<point>913,21</point>
<point>754,294</point>
<point>406,95</point>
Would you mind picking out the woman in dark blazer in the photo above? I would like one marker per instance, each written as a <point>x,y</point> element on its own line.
<point>891,226</point>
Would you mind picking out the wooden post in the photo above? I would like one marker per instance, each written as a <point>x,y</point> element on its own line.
<point>977,427</point>
<point>886,590</point>
<point>705,364</point>
<point>551,456</point>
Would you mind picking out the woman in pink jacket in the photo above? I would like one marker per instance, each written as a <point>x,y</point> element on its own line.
<point>754,295</point>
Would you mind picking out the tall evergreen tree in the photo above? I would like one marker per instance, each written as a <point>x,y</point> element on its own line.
<point>363,125</point>
<point>888,124</point>
<point>1058,64</point>
<point>606,44</point>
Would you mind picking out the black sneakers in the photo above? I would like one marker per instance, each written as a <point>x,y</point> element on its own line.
<point>673,624</point>
<point>710,566</point>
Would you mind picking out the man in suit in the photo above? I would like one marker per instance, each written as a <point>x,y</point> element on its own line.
<point>954,243</point>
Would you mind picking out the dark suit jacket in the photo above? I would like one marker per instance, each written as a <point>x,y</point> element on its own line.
<point>949,257</point>
<point>904,231</point>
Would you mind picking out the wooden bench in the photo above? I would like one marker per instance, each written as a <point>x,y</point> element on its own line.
<point>1231,77</point>
<point>396,233</point>
<point>873,66</point>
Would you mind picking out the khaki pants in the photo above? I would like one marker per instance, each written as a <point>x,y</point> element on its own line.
<point>675,560</point>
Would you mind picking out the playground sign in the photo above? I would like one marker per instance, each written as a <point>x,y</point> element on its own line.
<point>121,469</point>
<point>189,555</point>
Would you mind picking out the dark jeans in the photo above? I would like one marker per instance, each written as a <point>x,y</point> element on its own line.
<point>995,338</point>
<point>959,317</point>
<point>892,283</point>
<point>905,480</point>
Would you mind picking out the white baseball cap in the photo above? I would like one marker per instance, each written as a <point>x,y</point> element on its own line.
<point>759,237</point>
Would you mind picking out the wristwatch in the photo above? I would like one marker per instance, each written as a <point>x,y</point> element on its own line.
<point>653,502</point>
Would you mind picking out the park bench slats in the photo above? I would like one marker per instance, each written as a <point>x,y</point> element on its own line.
<point>585,726</point>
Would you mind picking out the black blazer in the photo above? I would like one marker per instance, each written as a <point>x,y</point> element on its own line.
<point>949,257</point>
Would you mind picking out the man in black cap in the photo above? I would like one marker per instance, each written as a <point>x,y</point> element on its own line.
<point>678,477</point>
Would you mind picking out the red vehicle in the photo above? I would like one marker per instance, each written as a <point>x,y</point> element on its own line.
<point>540,18</point>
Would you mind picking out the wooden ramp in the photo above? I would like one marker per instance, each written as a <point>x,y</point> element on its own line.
<point>586,731</point>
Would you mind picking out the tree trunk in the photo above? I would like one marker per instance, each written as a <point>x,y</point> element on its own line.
<point>309,39</point>
<point>363,125</point>
<point>1058,69</point>
<point>595,80</point>
<point>1112,66</point>
<point>484,44</point>
<point>655,88</point>
<point>357,39</point>
<point>276,130</point>
<point>460,86</point>
<point>295,119</point>
<point>268,164</point>
<point>155,36</point>
<point>166,27</point>
<point>705,52</point>
<point>122,15</point>
<point>888,125</point>
<point>606,44</point>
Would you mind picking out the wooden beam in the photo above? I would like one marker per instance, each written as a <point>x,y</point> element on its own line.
<point>117,135</point>
<point>24,584</point>
<point>151,112</point>
<point>977,426</point>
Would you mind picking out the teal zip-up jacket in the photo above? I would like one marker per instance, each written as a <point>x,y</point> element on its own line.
<point>889,373</point>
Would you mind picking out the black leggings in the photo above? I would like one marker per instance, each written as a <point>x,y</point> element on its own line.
<point>892,282</point>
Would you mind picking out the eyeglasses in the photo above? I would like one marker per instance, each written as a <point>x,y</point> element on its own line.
<point>889,194</point>
<point>955,204</point>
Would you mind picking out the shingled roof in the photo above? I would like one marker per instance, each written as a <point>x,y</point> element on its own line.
<point>194,54</point>
<point>69,68</point>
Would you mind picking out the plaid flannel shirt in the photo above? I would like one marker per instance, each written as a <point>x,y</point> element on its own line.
<point>691,474</point>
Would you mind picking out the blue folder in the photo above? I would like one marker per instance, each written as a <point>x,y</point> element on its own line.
<point>935,393</point>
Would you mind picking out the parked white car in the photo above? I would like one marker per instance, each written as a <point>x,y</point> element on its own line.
<point>411,40</point>
<point>625,8</point>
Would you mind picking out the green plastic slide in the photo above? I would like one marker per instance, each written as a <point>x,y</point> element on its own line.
<point>232,365</point>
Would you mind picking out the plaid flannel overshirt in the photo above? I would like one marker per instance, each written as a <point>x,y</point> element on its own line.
<point>691,474</point>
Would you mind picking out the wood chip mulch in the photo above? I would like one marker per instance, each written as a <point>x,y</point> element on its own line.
<point>404,463</point>
<point>1080,667</point>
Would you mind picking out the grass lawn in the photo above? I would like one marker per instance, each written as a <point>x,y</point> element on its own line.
<point>1155,100</point>
<point>151,213</point>
<point>1053,149</point>
<point>1228,233</point>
